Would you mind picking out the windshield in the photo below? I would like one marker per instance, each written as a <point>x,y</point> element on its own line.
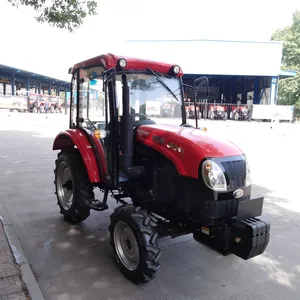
<point>154,95</point>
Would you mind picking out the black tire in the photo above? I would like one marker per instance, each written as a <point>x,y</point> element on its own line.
<point>143,227</point>
<point>82,190</point>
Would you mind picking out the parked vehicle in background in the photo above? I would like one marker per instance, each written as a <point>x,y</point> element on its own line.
<point>37,102</point>
<point>56,104</point>
<point>217,112</point>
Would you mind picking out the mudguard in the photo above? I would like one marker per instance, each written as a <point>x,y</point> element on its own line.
<point>74,137</point>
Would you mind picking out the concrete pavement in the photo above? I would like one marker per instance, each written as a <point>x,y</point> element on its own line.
<point>76,262</point>
<point>16,278</point>
<point>11,283</point>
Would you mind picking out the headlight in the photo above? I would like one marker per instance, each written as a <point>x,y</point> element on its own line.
<point>248,179</point>
<point>122,62</point>
<point>213,176</point>
<point>176,69</point>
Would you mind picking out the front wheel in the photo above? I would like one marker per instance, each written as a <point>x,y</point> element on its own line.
<point>134,240</point>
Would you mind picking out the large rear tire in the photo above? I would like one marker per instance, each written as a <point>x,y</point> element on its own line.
<point>134,240</point>
<point>72,186</point>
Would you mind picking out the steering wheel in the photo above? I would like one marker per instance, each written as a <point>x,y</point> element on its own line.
<point>144,117</point>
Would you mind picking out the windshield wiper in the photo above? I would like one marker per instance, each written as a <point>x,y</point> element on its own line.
<point>163,84</point>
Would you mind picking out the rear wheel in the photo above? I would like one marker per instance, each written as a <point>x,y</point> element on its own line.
<point>72,186</point>
<point>134,240</point>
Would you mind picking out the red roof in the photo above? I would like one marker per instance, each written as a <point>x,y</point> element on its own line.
<point>110,60</point>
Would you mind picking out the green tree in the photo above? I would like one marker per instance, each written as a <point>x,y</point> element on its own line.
<point>289,89</point>
<point>66,14</point>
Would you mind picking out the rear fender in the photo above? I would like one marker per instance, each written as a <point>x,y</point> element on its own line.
<point>74,137</point>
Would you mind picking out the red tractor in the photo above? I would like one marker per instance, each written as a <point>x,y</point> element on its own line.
<point>171,180</point>
<point>37,103</point>
<point>217,112</point>
<point>56,105</point>
<point>239,113</point>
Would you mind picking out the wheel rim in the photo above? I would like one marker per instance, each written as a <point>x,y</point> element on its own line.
<point>64,185</point>
<point>126,246</point>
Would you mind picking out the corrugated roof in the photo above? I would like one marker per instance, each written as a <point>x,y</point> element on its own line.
<point>4,70</point>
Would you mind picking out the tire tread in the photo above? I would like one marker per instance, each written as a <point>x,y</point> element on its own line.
<point>140,224</point>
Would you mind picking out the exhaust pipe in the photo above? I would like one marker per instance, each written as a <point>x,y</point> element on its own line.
<point>126,135</point>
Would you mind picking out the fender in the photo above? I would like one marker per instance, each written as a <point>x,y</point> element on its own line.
<point>74,137</point>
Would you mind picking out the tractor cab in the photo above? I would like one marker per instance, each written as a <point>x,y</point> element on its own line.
<point>112,98</point>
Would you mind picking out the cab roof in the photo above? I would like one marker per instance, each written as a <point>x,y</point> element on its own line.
<point>110,60</point>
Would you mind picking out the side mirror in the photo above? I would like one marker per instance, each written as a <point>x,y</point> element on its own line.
<point>201,81</point>
<point>189,92</point>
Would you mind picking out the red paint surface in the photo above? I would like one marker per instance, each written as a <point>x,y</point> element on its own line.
<point>110,61</point>
<point>196,144</point>
<point>103,164</point>
<point>62,141</point>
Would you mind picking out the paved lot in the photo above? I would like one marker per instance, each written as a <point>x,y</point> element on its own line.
<point>11,283</point>
<point>76,262</point>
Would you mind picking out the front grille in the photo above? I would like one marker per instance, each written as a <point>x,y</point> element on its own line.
<point>235,171</point>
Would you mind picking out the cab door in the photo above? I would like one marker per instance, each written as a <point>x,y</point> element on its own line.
<point>111,140</point>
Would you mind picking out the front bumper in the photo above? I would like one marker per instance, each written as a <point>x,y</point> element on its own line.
<point>222,206</point>
<point>244,235</point>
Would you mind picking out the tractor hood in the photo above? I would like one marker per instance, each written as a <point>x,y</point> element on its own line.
<point>186,147</point>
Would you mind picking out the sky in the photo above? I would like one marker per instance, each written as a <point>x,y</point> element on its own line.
<point>46,50</point>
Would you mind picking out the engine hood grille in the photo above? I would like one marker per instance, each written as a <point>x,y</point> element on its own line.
<point>235,171</point>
